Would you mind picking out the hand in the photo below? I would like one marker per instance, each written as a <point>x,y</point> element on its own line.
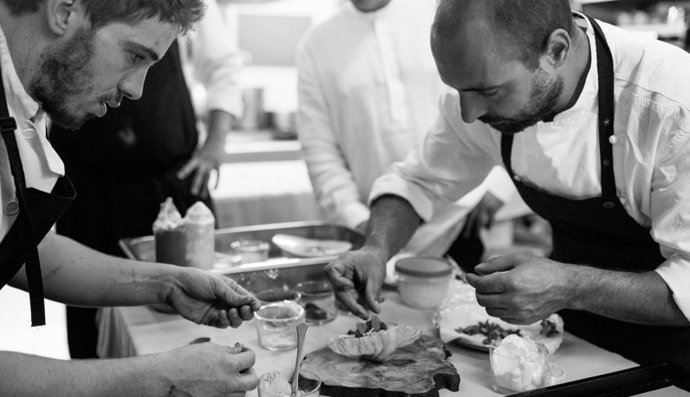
<point>207,369</point>
<point>200,166</point>
<point>482,215</point>
<point>357,277</point>
<point>521,288</point>
<point>210,299</point>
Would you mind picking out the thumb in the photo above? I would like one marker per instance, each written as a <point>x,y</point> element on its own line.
<point>500,264</point>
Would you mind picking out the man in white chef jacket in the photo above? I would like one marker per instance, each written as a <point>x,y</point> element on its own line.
<point>592,124</point>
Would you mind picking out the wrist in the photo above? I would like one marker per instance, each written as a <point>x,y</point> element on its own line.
<point>575,284</point>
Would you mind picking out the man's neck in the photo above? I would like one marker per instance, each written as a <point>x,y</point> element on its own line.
<point>576,76</point>
<point>22,42</point>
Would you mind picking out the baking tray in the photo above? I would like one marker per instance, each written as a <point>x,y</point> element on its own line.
<point>143,248</point>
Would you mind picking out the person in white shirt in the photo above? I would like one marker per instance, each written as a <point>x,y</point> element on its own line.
<point>592,123</point>
<point>69,60</point>
<point>368,91</point>
<point>136,156</point>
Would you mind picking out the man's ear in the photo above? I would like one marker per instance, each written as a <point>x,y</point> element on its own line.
<point>557,47</point>
<point>63,16</point>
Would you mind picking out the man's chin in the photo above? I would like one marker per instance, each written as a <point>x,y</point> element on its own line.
<point>72,124</point>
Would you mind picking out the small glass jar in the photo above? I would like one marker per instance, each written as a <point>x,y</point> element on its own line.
<point>276,324</point>
<point>318,300</point>
<point>423,281</point>
<point>278,383</point>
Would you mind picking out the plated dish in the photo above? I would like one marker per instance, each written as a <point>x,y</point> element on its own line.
<point>468,325</point>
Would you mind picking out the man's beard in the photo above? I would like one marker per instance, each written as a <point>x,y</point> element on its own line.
<point>543,101</point>
<point>64,78</point>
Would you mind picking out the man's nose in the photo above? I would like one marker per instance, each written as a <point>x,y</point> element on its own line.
<point>132,85</point>
<point>472,106</point>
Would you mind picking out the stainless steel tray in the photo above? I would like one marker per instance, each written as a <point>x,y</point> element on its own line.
<point>267,274</point>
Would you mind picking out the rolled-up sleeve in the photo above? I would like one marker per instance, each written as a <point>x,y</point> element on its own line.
<point>451,161</point>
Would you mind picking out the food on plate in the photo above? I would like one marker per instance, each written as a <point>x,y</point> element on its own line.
<point>521,364</point>
<point>492,331</point>
<point>374,340</point>
<point>309,248</point>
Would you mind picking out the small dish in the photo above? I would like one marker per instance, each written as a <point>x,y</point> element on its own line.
<point>302,247</point>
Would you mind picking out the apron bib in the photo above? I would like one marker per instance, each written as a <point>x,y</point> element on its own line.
<point>599,232</point>
<point>38,211</point>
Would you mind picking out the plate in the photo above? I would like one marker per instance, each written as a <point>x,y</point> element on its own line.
<point>302,247</point>
<point>456,314</point>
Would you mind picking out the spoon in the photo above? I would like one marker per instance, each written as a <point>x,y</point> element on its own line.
<point>302,329</point>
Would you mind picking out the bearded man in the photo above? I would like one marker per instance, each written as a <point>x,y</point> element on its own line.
<point>592,125</point>
<point>69,60</point>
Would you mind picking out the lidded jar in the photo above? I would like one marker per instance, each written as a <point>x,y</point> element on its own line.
<point>423,281</point>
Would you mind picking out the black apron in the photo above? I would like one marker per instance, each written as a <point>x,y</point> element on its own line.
<point>38,211</point>
<point>599,232</point>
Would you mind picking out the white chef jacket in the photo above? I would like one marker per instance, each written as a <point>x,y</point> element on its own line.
<point>42,165</point>
<point>211,58</point>
<point>651,150</point>
<point>368,91</point>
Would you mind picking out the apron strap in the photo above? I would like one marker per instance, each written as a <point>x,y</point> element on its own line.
<point>606,112</point>
<point>29,250</point>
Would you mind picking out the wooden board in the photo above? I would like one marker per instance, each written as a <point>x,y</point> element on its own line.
<point>420,369</point>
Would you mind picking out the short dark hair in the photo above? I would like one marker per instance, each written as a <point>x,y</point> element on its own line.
<point>101,12</point>
<point>527,23</point>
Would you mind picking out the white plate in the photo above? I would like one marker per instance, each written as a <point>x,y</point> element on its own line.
<point>302,247</point>
<point>456,314</point>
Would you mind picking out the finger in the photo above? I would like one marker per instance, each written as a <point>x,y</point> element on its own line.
<point>247,380</point>
<point>348,297</point>
<point>200,177</point>
<point>234,295</point>
<point>217,181</point>
<point>371,296</point>
<point>234,318</point>
<point>494,301</point>
<point>499,264</point>
<point>491,284</point>
<point>187,169</point>
<point>243,360</point>
<point>246,313</point>
<point>223,321</point>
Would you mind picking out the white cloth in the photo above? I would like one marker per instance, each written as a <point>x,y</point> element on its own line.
<point>651,150</point>
<point>368,91</point>
<point>42,165</point>
<point>211,59</point>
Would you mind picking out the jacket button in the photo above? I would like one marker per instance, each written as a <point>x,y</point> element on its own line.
<point>609,205</point>
<point>12,207</point>
<point>613,139</point>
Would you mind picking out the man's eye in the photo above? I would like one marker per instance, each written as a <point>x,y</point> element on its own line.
<point>490,93</point>
<point>135,57</point>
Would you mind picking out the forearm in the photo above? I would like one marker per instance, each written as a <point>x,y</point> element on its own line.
<point>219,123</point>
<point>28,375</point>
<point>642,298</point>
<point>393,222</point>
<point>77,275</point>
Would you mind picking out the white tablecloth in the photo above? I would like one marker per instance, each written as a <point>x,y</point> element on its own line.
<point>139,330</point>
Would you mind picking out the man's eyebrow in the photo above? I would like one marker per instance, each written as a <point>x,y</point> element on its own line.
<point>142,48</point>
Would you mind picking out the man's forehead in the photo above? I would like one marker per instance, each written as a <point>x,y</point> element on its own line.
<point>149,35</point>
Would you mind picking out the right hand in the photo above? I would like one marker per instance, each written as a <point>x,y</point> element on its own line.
<point>207,369</point>
<point>357,277</point>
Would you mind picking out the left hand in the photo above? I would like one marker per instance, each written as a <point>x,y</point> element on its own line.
<point>200,166</point>
<point>210,299</point>
<point>482,215</point>
<point>521,288</point>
